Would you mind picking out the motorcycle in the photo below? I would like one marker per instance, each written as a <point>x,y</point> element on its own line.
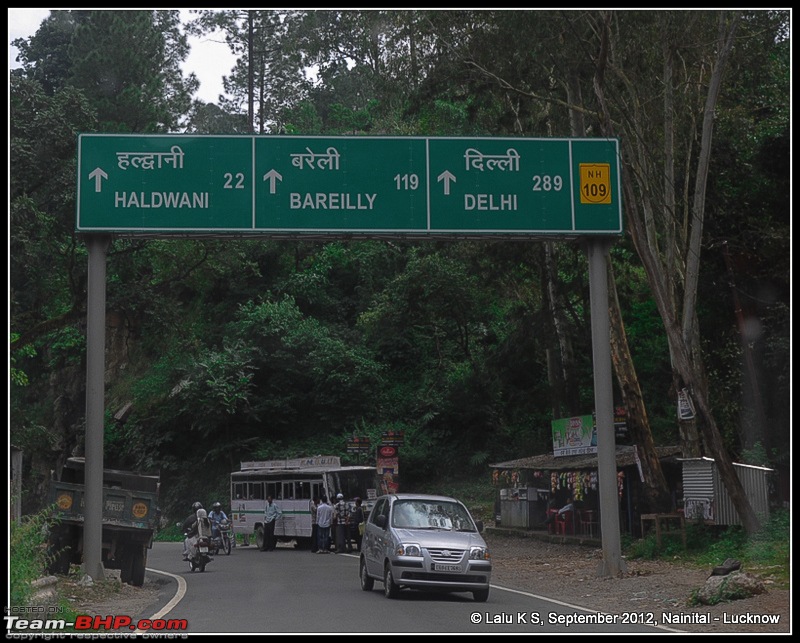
<point>223,538</point>
<point>200,544</point>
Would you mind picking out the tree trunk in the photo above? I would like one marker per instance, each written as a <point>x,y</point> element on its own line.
<point>570,396</point>
<point>250,71</point>
<point>680,334</point>
<point>657,494</point>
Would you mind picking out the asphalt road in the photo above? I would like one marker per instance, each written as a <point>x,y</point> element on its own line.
<point>293,591</point>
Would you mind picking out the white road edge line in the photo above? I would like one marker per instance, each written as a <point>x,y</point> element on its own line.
<point>175,599</point>
<point>570,605</point>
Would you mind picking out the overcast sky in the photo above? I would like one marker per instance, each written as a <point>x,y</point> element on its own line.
<point>209,60</point>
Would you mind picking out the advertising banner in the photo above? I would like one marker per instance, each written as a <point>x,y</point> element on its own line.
<point>388,465</point>
<point>574,436</point>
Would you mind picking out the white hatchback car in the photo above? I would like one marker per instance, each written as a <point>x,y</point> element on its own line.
<point>424,542</point>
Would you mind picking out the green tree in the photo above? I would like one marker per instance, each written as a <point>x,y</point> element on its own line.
<point>268,77</point>
<point>128,65</point>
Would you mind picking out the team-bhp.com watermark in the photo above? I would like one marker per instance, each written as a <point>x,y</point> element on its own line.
<point>22,625</point>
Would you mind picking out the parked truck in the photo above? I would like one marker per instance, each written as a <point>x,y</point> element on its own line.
<point>130,520</point>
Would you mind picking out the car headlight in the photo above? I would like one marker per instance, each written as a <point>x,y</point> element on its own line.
<point>409,549</point>
<point>479,553</point>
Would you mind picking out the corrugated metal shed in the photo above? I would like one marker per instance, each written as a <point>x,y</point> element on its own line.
<point>548,462</point>
<point>705,495</point>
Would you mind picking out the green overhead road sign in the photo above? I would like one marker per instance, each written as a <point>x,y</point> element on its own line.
<point>205,184</point>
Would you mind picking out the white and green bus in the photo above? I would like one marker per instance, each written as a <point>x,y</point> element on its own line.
<point>293,484</point>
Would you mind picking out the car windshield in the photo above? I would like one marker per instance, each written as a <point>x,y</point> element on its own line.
<point>428,514</point>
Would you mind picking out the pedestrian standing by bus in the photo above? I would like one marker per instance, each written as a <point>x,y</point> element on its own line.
<point>341,518</point>
<point>356,526</point>
<point>271,514</point>
<point>314,526</point>
<point>324,519</point>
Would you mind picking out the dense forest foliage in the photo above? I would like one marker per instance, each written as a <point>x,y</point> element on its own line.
<point>226,350</point>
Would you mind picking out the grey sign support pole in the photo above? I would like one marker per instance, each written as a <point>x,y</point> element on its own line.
<point>612,563</point>
<point>97,246</point>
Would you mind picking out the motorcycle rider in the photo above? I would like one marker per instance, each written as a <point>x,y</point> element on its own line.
<point>189,528</point>
<point>216,516</point>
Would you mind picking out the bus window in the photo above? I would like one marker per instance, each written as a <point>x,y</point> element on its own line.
<point>302,490</point>
<point>288,491</point>
<point>239,491</point>
<point>273,489</point>
<point>256,491</point>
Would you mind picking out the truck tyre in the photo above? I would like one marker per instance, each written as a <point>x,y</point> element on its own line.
<point>59,551</point>
<point>138,565</point>
<point>126,563</point>
<point>60,556</point>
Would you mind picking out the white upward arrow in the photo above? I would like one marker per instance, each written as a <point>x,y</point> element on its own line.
<point>446,177</point>
<point>98,175</point>
<point>272,175</point>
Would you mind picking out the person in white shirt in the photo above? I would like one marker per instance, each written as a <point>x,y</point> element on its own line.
<point>324,520</point>
<point>271,514</point>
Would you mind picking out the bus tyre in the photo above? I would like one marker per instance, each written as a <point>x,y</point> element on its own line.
<point>261,540</point>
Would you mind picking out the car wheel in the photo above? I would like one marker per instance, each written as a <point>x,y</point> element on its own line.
<point>367,582</point>
<point>390,588</point>
<point>481,596</point>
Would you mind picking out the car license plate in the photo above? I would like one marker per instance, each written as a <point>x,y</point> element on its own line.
<point>438,567</point>
<point>204,550</point>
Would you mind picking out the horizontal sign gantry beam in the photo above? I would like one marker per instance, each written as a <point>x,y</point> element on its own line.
<point>184,185</point>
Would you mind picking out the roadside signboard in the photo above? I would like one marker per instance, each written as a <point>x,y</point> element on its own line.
<point>574,436</point>
<point>369,186</point>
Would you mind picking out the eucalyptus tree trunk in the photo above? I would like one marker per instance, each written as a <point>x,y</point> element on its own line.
<point>657,493</point>
<point>655,485</point>
<point>561,364</point>
<point>250,72</point>
<point>680,325</point>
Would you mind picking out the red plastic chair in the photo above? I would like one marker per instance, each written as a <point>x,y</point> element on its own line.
<point>551,526</point>
<point>565,523</point>
<point>588,521</point>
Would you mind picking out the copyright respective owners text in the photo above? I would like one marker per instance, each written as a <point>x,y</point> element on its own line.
<point>569,619</point>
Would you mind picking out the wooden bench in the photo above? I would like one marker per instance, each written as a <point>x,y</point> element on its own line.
<point>665,524</point>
